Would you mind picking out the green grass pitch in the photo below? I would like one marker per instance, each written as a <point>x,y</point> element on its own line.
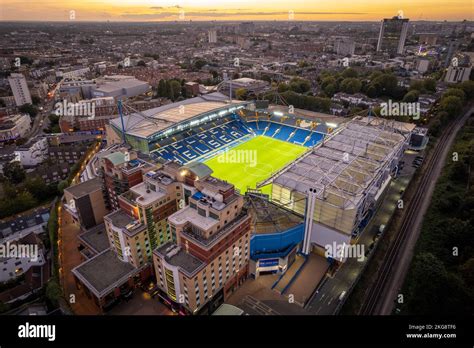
<point>253,161</point>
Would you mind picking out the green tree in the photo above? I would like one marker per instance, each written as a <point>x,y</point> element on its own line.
<point>452,105</point>
<point>457,92</point>
<point>349,72</point>
<point>14,172</point>
<point>29,109</point>
<point>53,292</point>
<point>161,88</point>
<point>351,85</point>
<point>62,185</point>
<point>175,88</point>
<point>430,85</point>
<point>385,84</point>
<point>240,93</point>
<point>468,88</point>
<point>411,96</point>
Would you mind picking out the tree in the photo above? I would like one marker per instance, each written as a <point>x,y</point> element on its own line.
<point>411,96</point>
<point>240,93</point>
<point>29,109</point>
<point>451,104</point>
<point>299,85</point>
<point>62,185</point>
<point>161,89</point>
<point>330,89</point>
<point>351,85</point>
<point>175,88</point>
<point>198,64</point>
<point>457,92</point>
<point>468,88</point>
<point>350,72</point>
<point>53,292</point>
<point>14,172</point>
<point>385,84</point>
<point>430,85</point>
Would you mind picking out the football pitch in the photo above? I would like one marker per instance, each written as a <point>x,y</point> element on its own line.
<point>253,161</point>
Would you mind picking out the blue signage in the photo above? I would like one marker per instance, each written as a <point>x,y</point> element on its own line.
<point>268,263</point>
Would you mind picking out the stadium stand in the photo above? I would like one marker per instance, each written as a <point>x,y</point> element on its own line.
<point>203,140</point>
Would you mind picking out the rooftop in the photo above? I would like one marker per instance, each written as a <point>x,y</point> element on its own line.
<point>85,188</point>
<point>104,272</point>
<point>154,120</point>
<point>21,223</point>
<point>96,238</point>
<point>191,215</point>
<point>176,256</point>
<point>199,169</point>
<point>145,195</point>
<point>345,164</point>
<point>122,220</point>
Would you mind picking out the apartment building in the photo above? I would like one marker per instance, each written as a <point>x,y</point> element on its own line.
<point>20,89</point>
<point>210,256</point>
<point>121,170</point>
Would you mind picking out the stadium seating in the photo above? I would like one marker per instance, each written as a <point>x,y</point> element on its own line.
<point>194,143</point>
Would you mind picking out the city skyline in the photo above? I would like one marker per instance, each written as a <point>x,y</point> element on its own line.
<point>209,10</point>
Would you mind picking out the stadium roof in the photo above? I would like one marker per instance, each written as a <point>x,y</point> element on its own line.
<point>342,167</point>
<point>150,122</point>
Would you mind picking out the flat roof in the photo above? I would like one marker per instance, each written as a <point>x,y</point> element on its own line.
<point>85,188</point>
<point>122,220</point>
<point>191,215</point>
<point>96,238</point>
<point>104,272</point>
<point>176,256</point>
<point>146,195</point>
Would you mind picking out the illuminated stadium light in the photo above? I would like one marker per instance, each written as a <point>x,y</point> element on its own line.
<point>223,112</point>
<point>332,125</point>
<point>278,113</point>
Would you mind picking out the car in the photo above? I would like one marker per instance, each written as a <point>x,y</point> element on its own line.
<point>342,295</point>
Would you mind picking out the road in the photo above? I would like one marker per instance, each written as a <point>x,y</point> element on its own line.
<point>384,291</point>
<point>41,120</point>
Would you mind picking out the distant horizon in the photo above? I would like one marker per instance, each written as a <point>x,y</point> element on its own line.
<point>232,10</point>
<point>230,21</point>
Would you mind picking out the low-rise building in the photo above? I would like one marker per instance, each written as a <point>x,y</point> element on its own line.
<point>15,127</point>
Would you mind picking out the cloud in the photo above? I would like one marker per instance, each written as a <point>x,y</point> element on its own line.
<point>233,13</point>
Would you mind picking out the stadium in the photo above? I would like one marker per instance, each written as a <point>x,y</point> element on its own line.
<point>331,177</point>
<point>219,132</point>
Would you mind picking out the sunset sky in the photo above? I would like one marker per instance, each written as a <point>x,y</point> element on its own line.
<point>203,10</point>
